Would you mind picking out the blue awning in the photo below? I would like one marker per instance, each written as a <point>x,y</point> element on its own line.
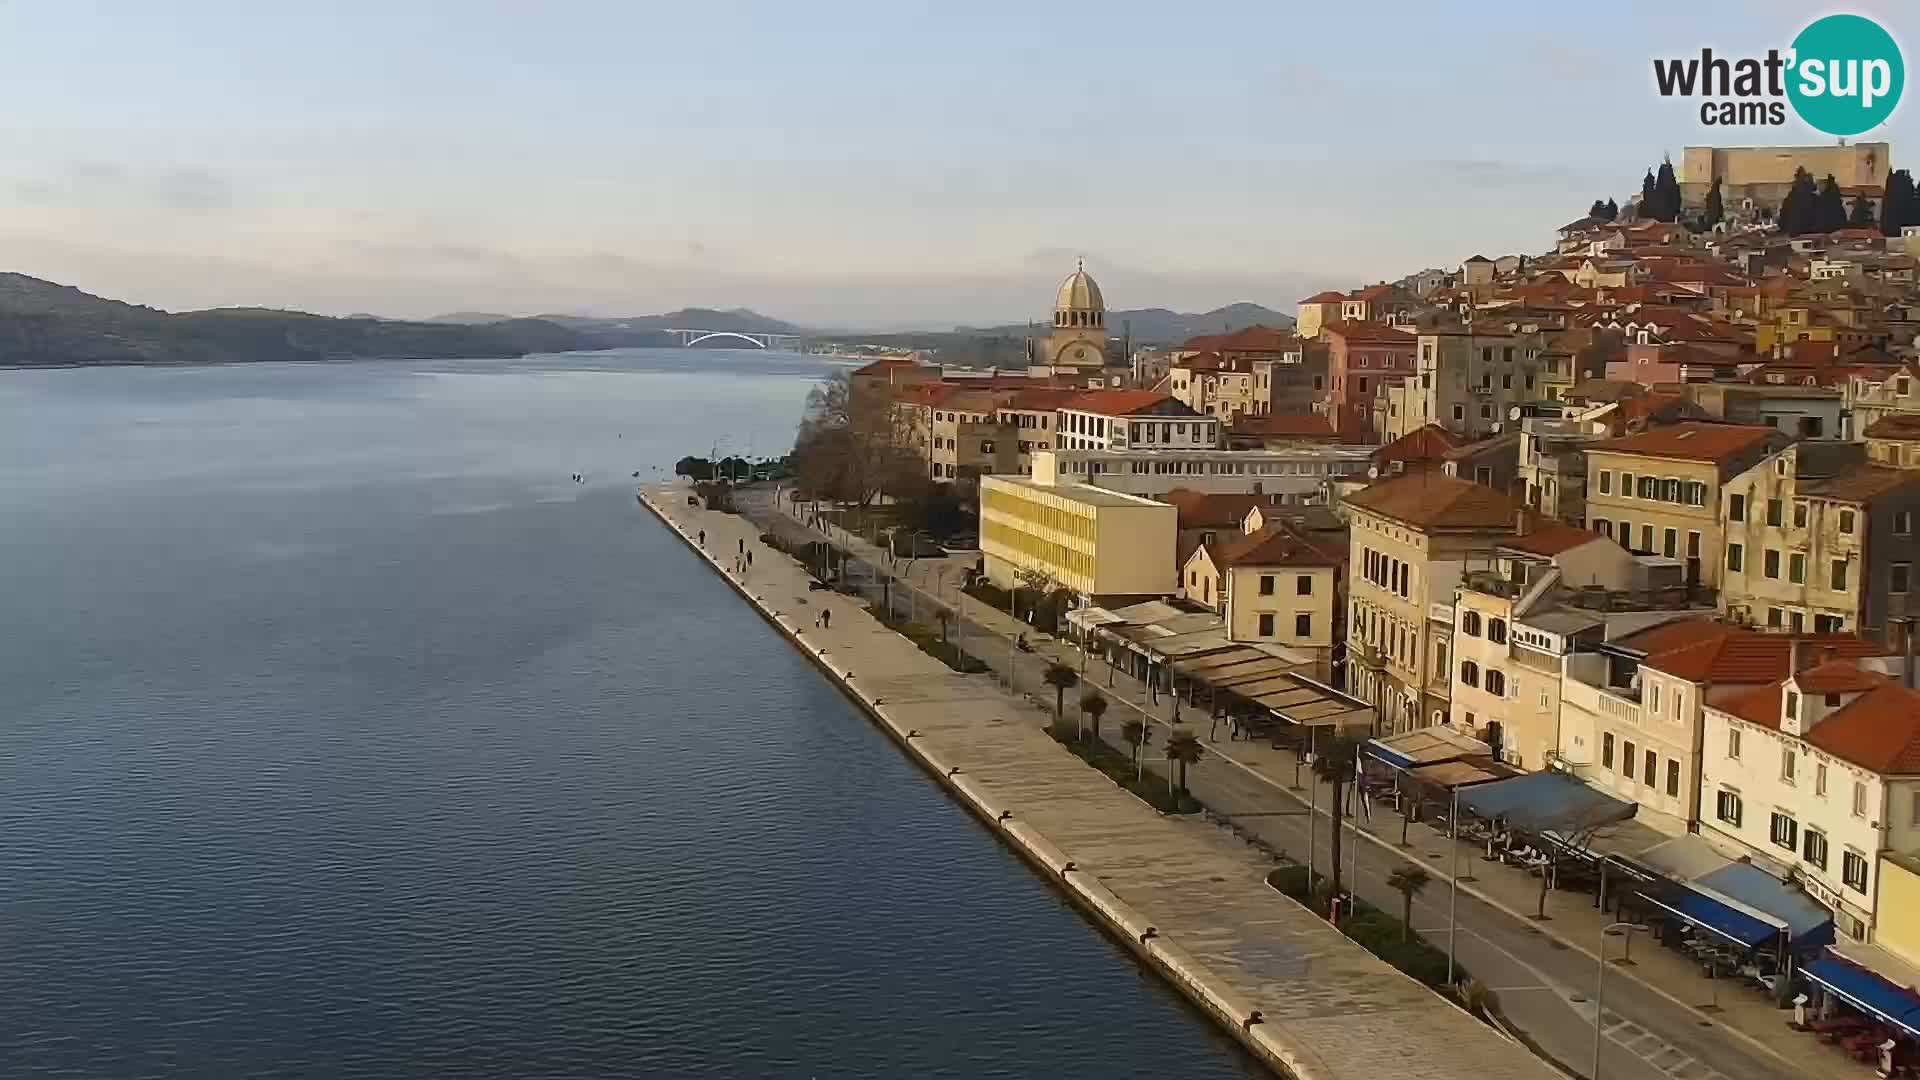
<point>1703,911</point>
<point>1866,991</point>
<point>1376,748</point>
<point>1545,802</point>
<point>1809,923</point>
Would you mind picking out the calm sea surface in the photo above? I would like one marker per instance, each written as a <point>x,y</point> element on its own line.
<point>343,734</point>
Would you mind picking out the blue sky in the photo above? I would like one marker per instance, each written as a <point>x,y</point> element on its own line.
<point>834,163</point>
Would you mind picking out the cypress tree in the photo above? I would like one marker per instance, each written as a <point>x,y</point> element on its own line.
<point>1646,195</point>
<point>1900,205</point>
<point>1830,207</point>
<point>1796,210</point>
<point>1666,193</point>
<point>1598,210</point>
<point>1860,214</point>
<point>1716,207</point>
<point>1613,208</point>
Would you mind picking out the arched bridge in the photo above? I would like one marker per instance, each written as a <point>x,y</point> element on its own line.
<point>758,341</point>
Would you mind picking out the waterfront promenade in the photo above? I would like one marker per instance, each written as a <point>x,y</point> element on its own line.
<point>1663,1018</point>
<point>1187,897</point>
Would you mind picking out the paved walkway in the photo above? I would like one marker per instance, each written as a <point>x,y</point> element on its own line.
<point>1664,1018</point>
<point>1190,894</point>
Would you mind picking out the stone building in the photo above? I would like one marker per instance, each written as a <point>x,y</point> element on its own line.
<point>1078,339</point>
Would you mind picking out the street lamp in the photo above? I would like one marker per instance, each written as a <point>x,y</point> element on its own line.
<point>1618,929</point>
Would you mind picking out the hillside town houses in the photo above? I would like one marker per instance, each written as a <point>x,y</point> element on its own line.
<point>1636,510</point>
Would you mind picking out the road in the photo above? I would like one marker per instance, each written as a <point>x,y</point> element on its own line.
<point>1544,987</point>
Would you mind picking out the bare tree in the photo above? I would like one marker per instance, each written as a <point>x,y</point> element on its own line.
<point>855,448</point>
<point>1575,842</point>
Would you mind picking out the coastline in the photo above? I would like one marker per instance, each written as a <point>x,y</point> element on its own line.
<point>1262,1032</point>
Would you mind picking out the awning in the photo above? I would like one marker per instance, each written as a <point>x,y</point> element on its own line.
<point>1545,802</point>
<point>1426,746</point>
<point>1694,907</point>
<point>1866,991</point>
<point>1461,774</point>
<point>1089,617</point>
<point>1808,922</point>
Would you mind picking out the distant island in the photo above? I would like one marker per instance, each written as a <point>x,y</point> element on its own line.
<point>45,324</point>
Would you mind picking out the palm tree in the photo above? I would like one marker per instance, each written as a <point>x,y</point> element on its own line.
<point>1182,750</point>
<point>1062,678</point>
<point>1408,881</point>
<point>1134,734</point>
<point>1333,762</point>
<point>1093,706</point>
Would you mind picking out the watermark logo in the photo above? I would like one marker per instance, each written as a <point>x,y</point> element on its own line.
<point>1843,75</point>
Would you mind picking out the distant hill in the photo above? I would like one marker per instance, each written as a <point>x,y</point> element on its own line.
<point>643,330</point>
<point>43,324</point>
<point>469,318</point>
<point>1158,326</point>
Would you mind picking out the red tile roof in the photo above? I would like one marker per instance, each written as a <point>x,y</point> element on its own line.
<point>1370,333</point>
<point>1210,509</point>
<point>1715,652</point>
<point>1551,539</point>
<point>1691,441</point>
<point>1329,296</point>
<point>1431,499</point>
<point>1896,426</point>
<point>1879,730</point>
<point>1121,402</point>
<point>1272,547</point>
<point>1428,443</point>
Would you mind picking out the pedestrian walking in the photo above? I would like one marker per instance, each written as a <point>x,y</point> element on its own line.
<point>743,545</point>
<point>749,560</point>
<point>703,538</point>
<point>826,619</point>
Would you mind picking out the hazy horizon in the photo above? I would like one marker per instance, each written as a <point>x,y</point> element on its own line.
<point>859,166</point>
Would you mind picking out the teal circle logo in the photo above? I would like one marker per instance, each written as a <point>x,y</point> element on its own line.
<point>1847,74</point>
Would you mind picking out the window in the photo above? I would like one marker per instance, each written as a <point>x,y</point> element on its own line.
<point>1789,761</point>
<point>1773,512</point>
<point>1626,533</point>
<point>1670,491</point>
<point>1606,750</point>
<point>1626,759</point>
<point>1820,779</point>
<point>1303,625</point>
<point>1670,543</point>
<point>1606,482</point>
<point>1266,624</point>
<point>1846,522</point>
<point>1733,743</point>
<point>1673,779</point>
<point>1853,871</point>
<point>1900,577</point>
<point>1727,807</point>
<point>1653,697</point>
<point>1266,584</point>
<point>1303,585</point>
<point>1497,631</point>
<point>1839,583</point>
<point>1469,673</point>
<point>1903,523</point>
<point>1470,623</point>
<point>1604,527</point>
<point>1797,568</point>
<point>1815,848</point>
<point>1459,412</point>
<point>1799,515</point>
<point>1859,798</point>
<point>1626,483</point>
<point>1784,831</point>
<point>1735,554</point>
<point>1496,683</point>
<point>1736,508</point>
<point>1770,561</point>
<point>1653,768</point>
<point>1649,487</point>
<point>1646,538</point>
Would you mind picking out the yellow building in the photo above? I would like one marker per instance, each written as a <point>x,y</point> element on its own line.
<point>1763,174</point>
<point>1660,492</point>
<point>1897,925</point>
<point>1096,542</point>
<point>1270,586</point>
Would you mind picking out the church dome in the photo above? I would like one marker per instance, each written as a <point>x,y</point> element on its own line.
<point>1079,292</point>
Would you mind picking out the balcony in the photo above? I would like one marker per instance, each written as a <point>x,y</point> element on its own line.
<point>1366,655</point>
<point>1614,703</point>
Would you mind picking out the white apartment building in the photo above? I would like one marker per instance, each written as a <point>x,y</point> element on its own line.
<point>1133,419</point>
<point>1817,776</point>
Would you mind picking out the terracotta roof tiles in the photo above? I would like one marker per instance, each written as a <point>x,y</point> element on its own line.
<point>1431,499</point>
<point>1690,441</point>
